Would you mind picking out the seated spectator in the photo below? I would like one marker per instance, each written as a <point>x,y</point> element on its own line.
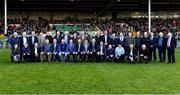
<point>62,50</point>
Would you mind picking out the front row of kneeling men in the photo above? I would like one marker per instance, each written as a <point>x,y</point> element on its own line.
<point>78,52</point>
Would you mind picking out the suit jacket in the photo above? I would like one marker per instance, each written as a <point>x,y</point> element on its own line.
<point>122,42</point>
<point>153,42</point>
<point>62,48</point>
<point>99,49</point>
<point>35,40</point>
<point>144,52</point>
<point>137,42</point>
<point>128,41</point>
<point>92,49</point>
<point>26,50</point>
<point>33,51</point>
<point>53,48</point>
<point>173,43</point>
<point>84,48</point>
<point>113,42</point>
<point>71,48</point>
<point>15,52</point>
<point>164,42</point>
<point>43,48</point>
<point>135,53</point>
<point>145,41</point>
<point>21,42</point>
<point>58,38</point>
<point>102,39</point>
<point>79,48</point>
<point>109,52</point>
<point>98,39</point>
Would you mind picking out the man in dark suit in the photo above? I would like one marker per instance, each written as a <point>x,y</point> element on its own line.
<point>22,41</point>
<point>58,37</point>
<point>62,50</point>
<point>32,40</point>
<point>132,55</point>
<point>105,38</point>
<point>46,51</point>
<point>144,54</point>
<point>54,51</point>
<point>36,50</point>
<point>101,52</point>
<point>79,50</point>
<point>85,54</point>
<point>15,55</point>
<point>71,51</point>
<point>113,40</point>
<point>171,45</point>
<point>121,40</point>
<point>162,43</point>
<point>138,42</point>
<point>153,46</point>
<point>98,37</point>
<point>110,53</point>
<point>26,53</point>
<point>93,50</point>
<point>145,40</point>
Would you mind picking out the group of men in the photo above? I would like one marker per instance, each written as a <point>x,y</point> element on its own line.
<point>74,47</point>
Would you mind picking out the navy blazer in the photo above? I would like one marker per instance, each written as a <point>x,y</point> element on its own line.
<point>21,41</point>
<point>114,42</point>
<point>35,40</point>
<point>62,48</point>
<point>26,50</point>
<point>58,38</point>
<point>91,48</point>
<point>137,42</point>
<point>121,42</point>
<point>153,41</point>
<point>109,52</point>
<point>77,47</point>
<point>71,48</point>
<point>135,53</point>
<point>173,43</point>
<point>54,49</point>
<point>164,43</point>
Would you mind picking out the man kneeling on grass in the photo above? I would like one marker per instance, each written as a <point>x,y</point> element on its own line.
<point>143,54</point>
<point>119,53</point>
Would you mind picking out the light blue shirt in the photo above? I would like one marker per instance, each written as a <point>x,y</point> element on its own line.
<point>119,51</point>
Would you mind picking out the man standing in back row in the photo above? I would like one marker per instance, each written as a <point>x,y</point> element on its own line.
<point>171,45</point>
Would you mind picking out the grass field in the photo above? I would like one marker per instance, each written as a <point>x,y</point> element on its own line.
<point>88,78</point>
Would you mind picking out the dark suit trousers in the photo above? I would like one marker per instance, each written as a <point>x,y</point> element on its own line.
<point>152,53</point>
<point>171,56</point>
<point>162,54</point>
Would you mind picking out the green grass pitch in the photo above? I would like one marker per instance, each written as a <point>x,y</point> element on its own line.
<point>88,78</point>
